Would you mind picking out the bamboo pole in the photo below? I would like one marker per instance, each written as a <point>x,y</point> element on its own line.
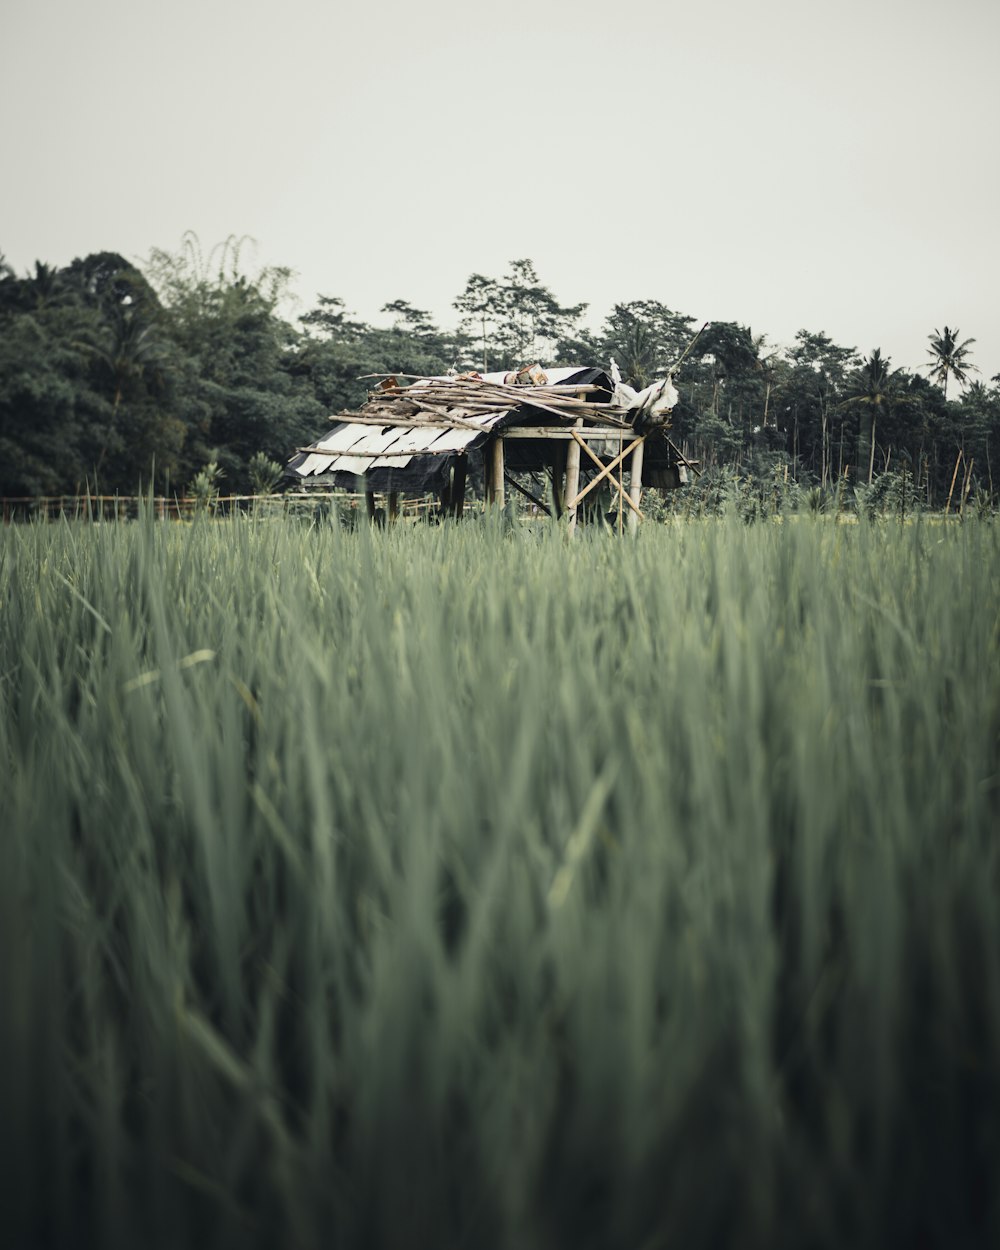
<point>635,485</point>
<point>526,493</point>
<point>572,480</point>
<point>495,493</point>
<point>573,388</point>
<point>498,475</point>
<point>947,507</point>
<point>687,349</point>
<point>488,395</point>
<point>606,470</point>
<point>689,464</point>
<point>388,453</point>
<point>966,487</point>
<point>601,433</point>
<point>621,490</point>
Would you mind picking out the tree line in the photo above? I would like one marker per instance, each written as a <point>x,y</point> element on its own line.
<point>115,376</point>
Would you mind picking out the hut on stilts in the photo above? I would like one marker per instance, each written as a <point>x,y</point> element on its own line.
<point>554,435</point>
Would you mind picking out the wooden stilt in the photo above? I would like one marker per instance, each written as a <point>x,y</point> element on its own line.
<point>572,480</point>
<point>635,484</point>
<point>370,504</point>
<point>497,486</point>
<point>393,504</point>
<point>621,489</point>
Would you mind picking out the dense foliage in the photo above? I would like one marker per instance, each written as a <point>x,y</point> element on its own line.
<point>114,376</point>
<point>441,887</point>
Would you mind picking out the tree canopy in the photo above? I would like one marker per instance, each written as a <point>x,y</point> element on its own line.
<point>116,376</point>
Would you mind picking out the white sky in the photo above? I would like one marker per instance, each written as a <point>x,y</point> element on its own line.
<point>782,163</point>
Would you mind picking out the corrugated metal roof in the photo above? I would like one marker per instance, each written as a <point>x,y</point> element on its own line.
<point>363,446</point>
<point>388,447</point>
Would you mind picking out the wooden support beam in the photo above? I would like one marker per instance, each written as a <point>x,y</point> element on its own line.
<point>606,470</point>
<point>527,494</point>
<point>635,485</point>
<point>689,464</point>
<point>603,433</point>
<point>573,479</point>
<point>499,490</point>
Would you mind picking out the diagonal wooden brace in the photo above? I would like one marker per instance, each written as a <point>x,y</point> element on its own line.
<point>606,471</point>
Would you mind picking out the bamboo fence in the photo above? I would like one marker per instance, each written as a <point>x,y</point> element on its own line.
<point>15,508</point>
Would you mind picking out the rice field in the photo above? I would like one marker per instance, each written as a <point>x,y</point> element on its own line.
<point>465,886</point>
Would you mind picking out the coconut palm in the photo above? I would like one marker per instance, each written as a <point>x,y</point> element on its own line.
<point>949,358</point>
<point>873,387</point>
<point>639,353</point>
<point>127,347</point>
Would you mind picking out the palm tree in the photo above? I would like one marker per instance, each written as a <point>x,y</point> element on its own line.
<point>639,353</point>
<point>9,285</point>
<point>127,348</point>
<point>949,358</point>
<point>873,387</point>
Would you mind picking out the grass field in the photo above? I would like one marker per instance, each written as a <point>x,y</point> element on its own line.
<point>442,887</point>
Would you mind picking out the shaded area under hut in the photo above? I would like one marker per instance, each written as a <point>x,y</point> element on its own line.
<point>560,437</point>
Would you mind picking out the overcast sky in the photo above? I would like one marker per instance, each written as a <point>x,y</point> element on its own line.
<point>782,163</point>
